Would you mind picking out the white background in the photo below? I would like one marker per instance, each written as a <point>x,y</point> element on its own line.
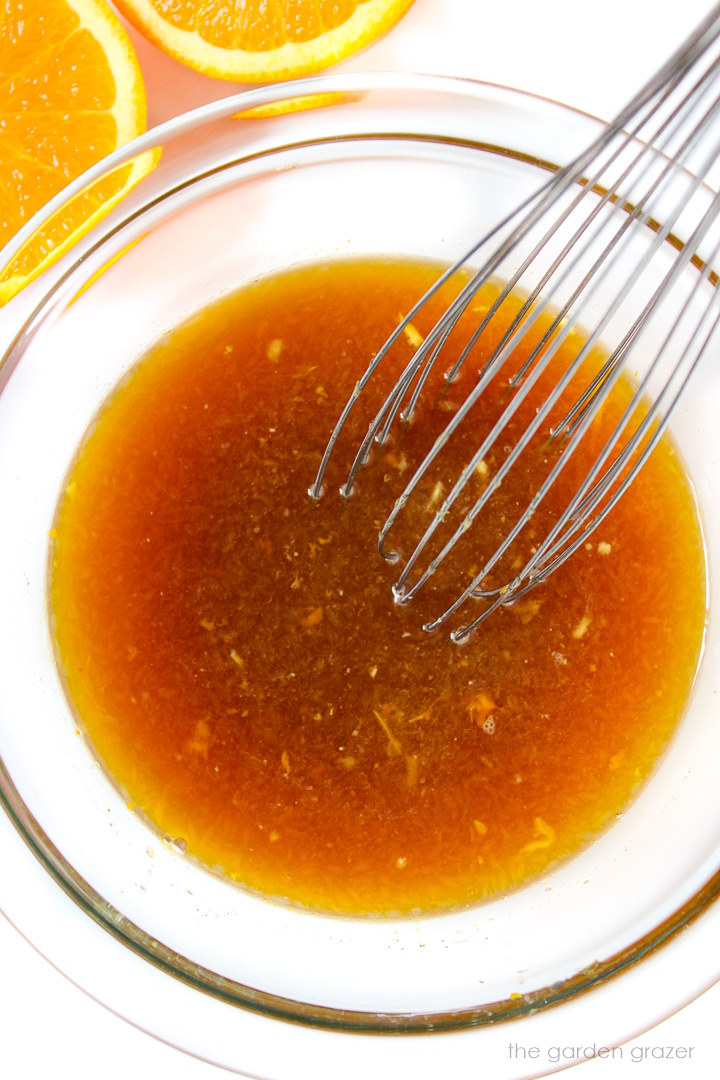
<point>589,56</point>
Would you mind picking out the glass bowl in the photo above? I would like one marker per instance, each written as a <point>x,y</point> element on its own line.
<point>369,165</point>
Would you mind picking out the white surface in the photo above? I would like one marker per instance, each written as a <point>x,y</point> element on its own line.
<point>51,1027</point>
<point>562,49</point>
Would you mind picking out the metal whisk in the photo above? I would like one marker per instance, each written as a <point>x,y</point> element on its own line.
<point>597,244</point>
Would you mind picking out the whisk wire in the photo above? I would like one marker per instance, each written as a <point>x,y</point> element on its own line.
<point>651,148</point>
<point>667,78</point>
<point>404,595</point>
<point>556,549</point>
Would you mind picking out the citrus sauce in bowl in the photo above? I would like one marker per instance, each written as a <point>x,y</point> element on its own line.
<point>232,650</point>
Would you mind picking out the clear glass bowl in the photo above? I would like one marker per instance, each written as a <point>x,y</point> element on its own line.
<point>378,166</point>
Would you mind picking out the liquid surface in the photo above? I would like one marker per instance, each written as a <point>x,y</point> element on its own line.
<point>234,654</point>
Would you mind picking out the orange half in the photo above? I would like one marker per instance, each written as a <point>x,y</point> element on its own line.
<point>71,92</point>
<point>262,40</point>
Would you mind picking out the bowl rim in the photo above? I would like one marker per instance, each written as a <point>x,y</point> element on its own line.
<point>50,858</point>
<point>268,94</point>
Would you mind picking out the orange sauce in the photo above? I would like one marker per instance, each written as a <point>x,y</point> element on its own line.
<point>233,652</point>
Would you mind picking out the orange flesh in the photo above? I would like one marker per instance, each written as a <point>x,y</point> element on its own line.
<point>71,91</point>
<point>56,101</point>
<point>234,653</point>
<point>252,27</point>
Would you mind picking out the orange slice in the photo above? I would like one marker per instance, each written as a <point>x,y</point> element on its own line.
<point>295,104</point>
<point>262,40</point>
<point>71,91</point>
